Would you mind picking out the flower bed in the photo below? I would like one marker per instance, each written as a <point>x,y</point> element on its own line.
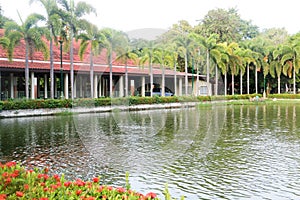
<point>18,183</point>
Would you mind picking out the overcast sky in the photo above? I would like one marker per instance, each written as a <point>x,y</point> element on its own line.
<point>136,14</point>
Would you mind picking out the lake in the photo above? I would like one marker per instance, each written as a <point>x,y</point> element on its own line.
<point>208,152</point>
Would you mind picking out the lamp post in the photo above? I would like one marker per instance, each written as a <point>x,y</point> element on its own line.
<point>61,71</point>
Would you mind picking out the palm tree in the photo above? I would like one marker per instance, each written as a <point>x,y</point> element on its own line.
<point>275,65</point>
<point>90,38</point>
<point>147,56</point>
<point>212,50</point>
<point>73,14</point>
<point>54,23</point>
<point>126,54</point>
<point>233,62</point>
<point>185,44</point>
<point>163,57</point>
<point>291,59</point>
<point>114,41</point>
<point>32,35</point>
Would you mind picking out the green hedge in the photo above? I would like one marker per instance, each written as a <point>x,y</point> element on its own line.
<point>68,103</point>
<point>284,96</point>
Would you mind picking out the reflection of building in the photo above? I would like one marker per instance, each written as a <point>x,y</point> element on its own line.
<point>12,81</point>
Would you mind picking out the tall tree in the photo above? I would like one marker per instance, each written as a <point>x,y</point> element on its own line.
<point>291,59</point>
<point>227,24</point>
<point>185,44</point>
<point>114,41</point>
<point>126,55</point>
<point>162,56</point>
<point>147,57</point>
<point>54,24</point>
<point>32,35</point>
<point>73,16</point>
<point>91,38</point>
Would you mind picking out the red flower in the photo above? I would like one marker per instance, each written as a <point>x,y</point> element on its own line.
<point>78,192</point>
<point>109,188</point>
<point>19,194</point>
<point>5,174</point>
<point>121,190</point>
<point>79,182</point>
<point>3,196</point>
<point>67,184</point>
<point>104,197</point>
<point>96,180</point>
<point>11,164</point>
<point>56,177</point>
<point>8,180</point>
<point>151,195</point>
<point>26,187</point>
<point>43,198</point>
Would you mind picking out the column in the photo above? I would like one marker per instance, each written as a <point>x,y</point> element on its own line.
<point>143,84</point>
<point>180,87</point>
<point>75,87</point>
<point>55,87</point>
<point>121,86</point>
<point>132,87</point>
<point>11,85</point>
<point>95,86</point>
<point>66,85</point>
<point>100,86</point>
<point>80,87</point>
<point>32,85</point>
<point>45,86</point>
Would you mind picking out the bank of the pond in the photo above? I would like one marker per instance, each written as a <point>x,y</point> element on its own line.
<point>101,109</point>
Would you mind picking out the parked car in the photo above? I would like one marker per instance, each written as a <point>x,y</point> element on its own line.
<point>157,91</point>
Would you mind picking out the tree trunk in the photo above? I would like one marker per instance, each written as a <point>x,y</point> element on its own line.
<point>175,79</point>
<point>51,67</point>
<point>232,83</point>
<point>110,76</point>
<point>92,72</point>
<point>207,72</point>
<point>225,80</point>
<point>26,70</point>
<point>186,73</point>
<point>151,76</point>
<point>72,65</point>
<point>256,88</point>
<point>216,81</point>
<point>278,80</point>
<point>163,81</point>
<point>241,83</point>
<point>126,79</point>
<point>294,80</point>
<point>248,79</point>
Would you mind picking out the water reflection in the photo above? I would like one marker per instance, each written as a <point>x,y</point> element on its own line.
<point>213,152</point>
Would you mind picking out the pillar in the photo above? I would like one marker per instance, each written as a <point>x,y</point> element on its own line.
<point>95,86</point>
<point>143,84</point>
<point>80,87</point>
<point>45,86</point>
<point>180,87</point>
<point>33,85</point>
<point>66,85</point>
<point>11,85</point>
<point>132,87</point>
<point>100,86</point>
<point>75,87</point>
<point>121,86</point>
<point>55,87</point>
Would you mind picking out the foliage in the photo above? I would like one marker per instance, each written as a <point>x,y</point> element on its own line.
<point>17,182</point>
<point>228,25</point>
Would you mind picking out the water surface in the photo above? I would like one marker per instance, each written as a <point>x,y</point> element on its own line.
<point>213,152</point>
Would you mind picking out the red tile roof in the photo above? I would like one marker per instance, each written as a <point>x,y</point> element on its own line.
<point>37,61</point>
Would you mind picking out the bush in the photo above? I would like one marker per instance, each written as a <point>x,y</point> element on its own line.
<point>16,182</point>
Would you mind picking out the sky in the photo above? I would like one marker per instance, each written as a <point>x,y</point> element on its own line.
<point>162,14</point>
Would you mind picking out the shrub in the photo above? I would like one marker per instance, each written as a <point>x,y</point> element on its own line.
<point>16,182</point>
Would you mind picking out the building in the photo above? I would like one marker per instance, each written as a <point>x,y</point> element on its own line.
<point>12,76</point>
